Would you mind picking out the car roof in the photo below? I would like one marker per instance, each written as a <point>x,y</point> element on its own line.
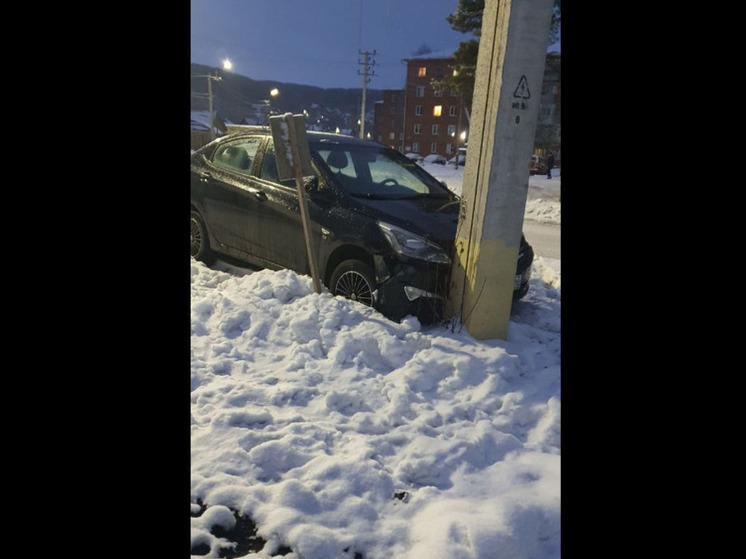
<point>235,131</point>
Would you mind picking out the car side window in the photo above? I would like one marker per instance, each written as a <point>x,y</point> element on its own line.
<point>269,168</point>
<point>237,156</point>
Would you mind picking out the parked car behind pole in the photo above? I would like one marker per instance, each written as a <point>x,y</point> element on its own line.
<point>435,158</point>
<point>384,229</point>
<point>538,166</point>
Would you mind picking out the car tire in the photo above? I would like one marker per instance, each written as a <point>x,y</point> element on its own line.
<point>354,280</point>
<point>200,244</point>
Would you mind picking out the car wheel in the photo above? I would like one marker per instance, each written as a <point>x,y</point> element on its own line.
<point>354,280</point>
<point>200,244</point>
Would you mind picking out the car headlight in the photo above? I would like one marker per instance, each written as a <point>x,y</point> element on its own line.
<point>414,246</point>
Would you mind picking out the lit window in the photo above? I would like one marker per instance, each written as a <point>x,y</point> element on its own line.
<point>437,109</point>
<point>422,72</point>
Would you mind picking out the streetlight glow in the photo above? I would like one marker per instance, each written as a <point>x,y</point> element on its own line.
<point>272,93</point>
<point>227,64</point>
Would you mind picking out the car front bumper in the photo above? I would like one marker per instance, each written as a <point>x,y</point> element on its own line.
<point>420,288</point>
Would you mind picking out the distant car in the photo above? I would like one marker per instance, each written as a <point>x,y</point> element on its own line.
<point>461,157</point>
<point>435,158</point>
<point>538,166</point>
<point>383,229</point>
<point>412,156</point>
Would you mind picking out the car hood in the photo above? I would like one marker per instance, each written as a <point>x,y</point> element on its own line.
<point>436,218</point>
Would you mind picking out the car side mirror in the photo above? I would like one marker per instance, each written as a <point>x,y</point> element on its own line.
<point>322,196</point>
<point>311,184</point>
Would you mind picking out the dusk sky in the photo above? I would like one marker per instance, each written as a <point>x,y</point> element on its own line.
<point>318,42</point>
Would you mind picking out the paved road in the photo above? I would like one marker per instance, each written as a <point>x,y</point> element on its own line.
<point>544,238</point>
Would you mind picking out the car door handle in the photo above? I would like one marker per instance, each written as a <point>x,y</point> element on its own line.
<point>258,194</point>
<point>205,176</point>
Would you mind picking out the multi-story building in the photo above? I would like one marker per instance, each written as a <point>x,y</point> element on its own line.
<point>423,119</point>
<point>434,119</point>
<point>549,121</point>
<point>388,118</point>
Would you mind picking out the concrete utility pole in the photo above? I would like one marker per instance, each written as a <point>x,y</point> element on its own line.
<point>507,92</point>
<point>366,80</point>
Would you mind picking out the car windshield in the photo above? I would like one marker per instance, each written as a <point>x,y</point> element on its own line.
<point>376,172</point>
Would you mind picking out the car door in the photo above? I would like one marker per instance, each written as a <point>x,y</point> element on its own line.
<point>280,230</point>
<point>231,200</point>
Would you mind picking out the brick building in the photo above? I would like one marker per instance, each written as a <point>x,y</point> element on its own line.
<point>388,118</point>
<point>420,119</point>
<point>433,119</point>
<point>549,121</point>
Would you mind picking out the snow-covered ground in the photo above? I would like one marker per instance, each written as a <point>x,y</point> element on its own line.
<point>542,201</point>
<point>342,434</point>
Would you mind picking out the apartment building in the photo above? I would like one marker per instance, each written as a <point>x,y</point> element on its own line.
<point>388,118</point>
<point>434,120</point>
<point>422,119</point>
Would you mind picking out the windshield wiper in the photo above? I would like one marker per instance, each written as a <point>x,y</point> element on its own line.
<point>392,196</point>
<point>448,204</point>
<point>373,196</point>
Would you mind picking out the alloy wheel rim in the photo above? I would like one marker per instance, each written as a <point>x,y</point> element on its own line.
<point>354,286</point>
<point>196,238</point>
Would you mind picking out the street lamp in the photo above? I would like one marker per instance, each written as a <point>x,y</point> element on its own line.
<point>227,65</point>
<point>273,93</point>
<point>211,119</point>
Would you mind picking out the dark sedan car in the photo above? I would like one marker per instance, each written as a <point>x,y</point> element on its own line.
<point>382,228</point>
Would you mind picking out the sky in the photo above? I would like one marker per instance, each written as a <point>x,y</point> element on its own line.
<point>319,43</point>
<point>342,434</point>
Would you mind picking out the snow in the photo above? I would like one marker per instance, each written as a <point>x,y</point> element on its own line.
<point>342,434</point>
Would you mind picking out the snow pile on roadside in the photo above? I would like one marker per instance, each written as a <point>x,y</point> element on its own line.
<point>341,432</point>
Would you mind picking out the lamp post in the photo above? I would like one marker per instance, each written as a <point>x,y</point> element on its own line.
<point>210,119</point>
<point>227,65</point>
<point>458,125</point>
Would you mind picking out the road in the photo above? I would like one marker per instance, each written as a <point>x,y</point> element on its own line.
<point>544,238</point>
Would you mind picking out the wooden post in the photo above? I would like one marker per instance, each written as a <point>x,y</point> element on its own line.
<point>294,161</point>
<point>507,92</point>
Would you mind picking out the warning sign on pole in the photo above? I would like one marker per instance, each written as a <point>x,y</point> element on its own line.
<point>289,129</point>
<point>294,161</point>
